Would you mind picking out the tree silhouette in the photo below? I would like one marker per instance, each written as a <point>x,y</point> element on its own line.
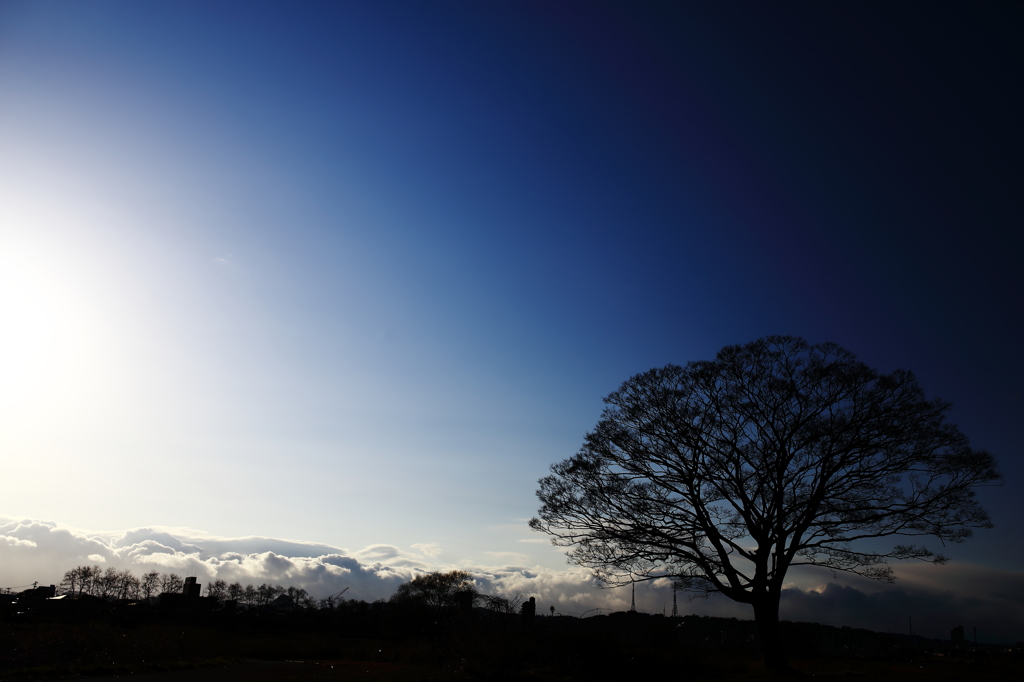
<point>250,595</point>
<point>74,582</point>
<point>723,474</point>
<point>217,590</point>
<point>506,606</point>
<point>171,583</point>
<point>236,591</point>
<point>437,595</point>
<point>150,585</point>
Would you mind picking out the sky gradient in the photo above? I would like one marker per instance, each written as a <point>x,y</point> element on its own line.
<point>356,274</point>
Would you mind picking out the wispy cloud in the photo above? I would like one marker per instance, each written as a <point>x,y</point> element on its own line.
<point>431,549</point>
<point>516,557</point>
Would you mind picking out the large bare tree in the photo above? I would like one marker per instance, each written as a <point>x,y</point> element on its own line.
<point>725,473</point>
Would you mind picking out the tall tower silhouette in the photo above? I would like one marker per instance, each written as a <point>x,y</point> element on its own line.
<point>632,604</point>
<point>675,609</point>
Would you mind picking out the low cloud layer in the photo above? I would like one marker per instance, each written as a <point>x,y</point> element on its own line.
<point>900,608</point>
<point>936,599</point>
<point>33,550</point>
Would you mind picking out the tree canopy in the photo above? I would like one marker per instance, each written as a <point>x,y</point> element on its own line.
<point>725,473</point>
<point>441,596</point>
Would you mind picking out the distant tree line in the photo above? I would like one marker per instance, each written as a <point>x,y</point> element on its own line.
<point>115,585</point>
<point>263,595</point>
<point>433,598</point>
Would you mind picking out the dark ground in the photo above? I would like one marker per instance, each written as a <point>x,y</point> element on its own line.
<point>379,645</point>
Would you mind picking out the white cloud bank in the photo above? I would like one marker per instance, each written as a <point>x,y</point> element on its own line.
<point>33,550</point>
<point>938,598</point>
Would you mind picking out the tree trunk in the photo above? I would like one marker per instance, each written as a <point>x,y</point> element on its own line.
<point>766,616</point>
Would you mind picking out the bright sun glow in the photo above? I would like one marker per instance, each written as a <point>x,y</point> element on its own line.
<point>38,320</point>
<point>51,346</point>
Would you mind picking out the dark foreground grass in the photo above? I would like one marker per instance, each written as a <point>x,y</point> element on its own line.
<point>922,667</point>
<point>164,652</point>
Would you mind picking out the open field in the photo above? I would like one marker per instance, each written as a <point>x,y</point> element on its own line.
<point>173,652</point>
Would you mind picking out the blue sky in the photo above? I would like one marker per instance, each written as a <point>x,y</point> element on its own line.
<point>358,273</point>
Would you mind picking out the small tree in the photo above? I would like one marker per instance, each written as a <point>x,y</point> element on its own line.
<point>506,606</point>
<point>71,581</point>
<point>171,583</point>
<point>235,591</point>
<point>723,474</point>
<point>107,583</point>
<point>265,593</point>
<point>304,600</point>
<point>250,596</point>
<point>150,585</point>
<point>217,590</point>
<point>128,586</point>
<point>90,578</point>
<point>438,595</point>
